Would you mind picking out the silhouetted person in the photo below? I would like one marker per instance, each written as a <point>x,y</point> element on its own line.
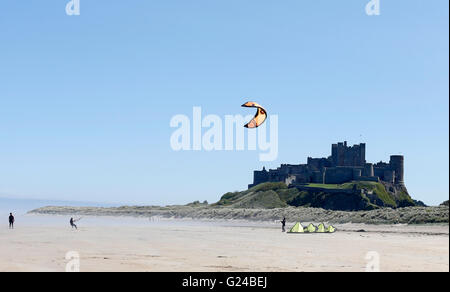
<point>72,223</point>
<point>283,225</point>
<point>11,221</point>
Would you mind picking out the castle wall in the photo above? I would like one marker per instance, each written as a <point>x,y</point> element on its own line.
<point>368,178</point>
<point>260,177</point>
<point>389,176</point>
<point>338,175</point>
<point>379,168</point>
<point>303,178</point>
<point>344,165</point>
<point>299,168</point>
<point>315,164</point>
<point>275,176</point>
<point>327,190</point>
<point>357,173</point>
<point>318,177</point>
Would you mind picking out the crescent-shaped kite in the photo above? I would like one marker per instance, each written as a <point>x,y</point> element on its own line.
<point>260,116</point>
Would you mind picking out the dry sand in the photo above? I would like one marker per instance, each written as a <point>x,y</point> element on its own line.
<point>40,243</point>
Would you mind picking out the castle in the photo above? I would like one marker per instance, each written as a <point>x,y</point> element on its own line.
<point>346,163</point>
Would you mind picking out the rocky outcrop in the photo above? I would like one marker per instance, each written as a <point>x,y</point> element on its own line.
<point>354,196</point>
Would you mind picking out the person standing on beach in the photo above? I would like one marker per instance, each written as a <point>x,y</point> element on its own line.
<point>11,221</point>
<point>72,223</point>
<point>283,224</point>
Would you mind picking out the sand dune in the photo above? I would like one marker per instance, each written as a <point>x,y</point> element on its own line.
<point>410,215</point>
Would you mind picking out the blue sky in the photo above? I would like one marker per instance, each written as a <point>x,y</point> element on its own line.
<point>85,101</point>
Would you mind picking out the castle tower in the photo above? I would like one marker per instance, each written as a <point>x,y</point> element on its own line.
<point>334,154</point>
<point>343,155</point>
<point>260,176</point>
<point>368,169</point>
<point>362,154</point>
<point>397,165</point>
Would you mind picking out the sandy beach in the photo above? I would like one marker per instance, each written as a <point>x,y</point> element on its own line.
<point>40,243</point>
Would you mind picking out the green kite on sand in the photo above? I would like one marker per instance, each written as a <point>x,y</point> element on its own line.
<point>311,228</point>
<point>321,228</point>
<point>331,229</point>
<point>298,228</point>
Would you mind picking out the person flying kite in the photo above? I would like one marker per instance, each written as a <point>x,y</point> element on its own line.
<point>260,116</point>
<point>72,223</point>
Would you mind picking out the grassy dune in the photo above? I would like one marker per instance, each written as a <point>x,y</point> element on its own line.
<point>272,201</point>
<point>409,215</point>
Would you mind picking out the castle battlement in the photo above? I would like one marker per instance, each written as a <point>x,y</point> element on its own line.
<point>346,163</point>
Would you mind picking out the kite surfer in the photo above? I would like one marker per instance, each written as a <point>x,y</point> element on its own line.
<point>72,223</point>
<point>283,224</point>
<point>11,221</point>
